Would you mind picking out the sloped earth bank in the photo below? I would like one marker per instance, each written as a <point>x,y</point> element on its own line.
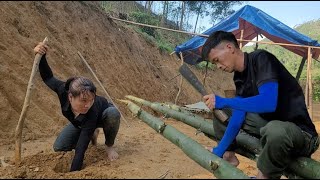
<point>126,65</point>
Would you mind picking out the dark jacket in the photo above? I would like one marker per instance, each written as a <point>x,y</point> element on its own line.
<point>86,122</point>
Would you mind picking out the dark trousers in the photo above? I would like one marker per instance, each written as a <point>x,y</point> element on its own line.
<point>281,142</point>
<point>68,137</point>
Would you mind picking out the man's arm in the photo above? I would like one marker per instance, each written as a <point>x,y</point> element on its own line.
<point>44,69</point>
<point>47,75</point>
<point>231,132</point>
<point>81,147</point>
<point>265,101</point>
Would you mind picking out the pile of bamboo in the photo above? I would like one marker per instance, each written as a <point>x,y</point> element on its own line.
<point>249,146</point>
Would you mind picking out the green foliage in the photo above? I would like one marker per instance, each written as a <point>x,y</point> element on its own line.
<point>145,18</point>
<point>202,65</point>
<point>164,40</point>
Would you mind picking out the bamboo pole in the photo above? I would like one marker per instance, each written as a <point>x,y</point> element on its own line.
<point>249,145</point>
<point>199,123</point>
<point>105,91</point>
<point>204,35</point>
<point>181,80</point>
<point>18,131</point>
<point>219,167</point>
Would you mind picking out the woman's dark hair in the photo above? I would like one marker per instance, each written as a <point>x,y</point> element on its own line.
<point>216,38</point>
<point>80,85</point>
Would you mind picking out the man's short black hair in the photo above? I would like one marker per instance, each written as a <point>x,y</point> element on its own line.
<point>216,38</point>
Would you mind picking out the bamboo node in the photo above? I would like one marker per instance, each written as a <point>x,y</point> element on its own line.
<point>214,165</point>
<point>161,128</point>
<point>139,112</point>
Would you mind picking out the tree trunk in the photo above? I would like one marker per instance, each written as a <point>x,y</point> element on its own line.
<point>149,10</point>
<point>219,167</point>
<point>198,14</point>
<point>183,7</point>
<point>163,13</point>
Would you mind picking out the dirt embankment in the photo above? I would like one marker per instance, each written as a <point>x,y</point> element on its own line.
<point>126,65</point>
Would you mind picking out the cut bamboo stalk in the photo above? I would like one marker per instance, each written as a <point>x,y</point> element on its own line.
<point>250,146</point>
<point>18,131</point>
<point>104,90</point>
<point>219,167</point>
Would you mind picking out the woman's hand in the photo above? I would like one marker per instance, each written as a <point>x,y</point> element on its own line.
<point>41,48</point>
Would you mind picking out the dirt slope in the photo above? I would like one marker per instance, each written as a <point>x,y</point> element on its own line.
<point>125,64</point>
<point>123,61</point>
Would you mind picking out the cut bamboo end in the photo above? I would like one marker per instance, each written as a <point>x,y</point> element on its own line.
<point>124,101</point>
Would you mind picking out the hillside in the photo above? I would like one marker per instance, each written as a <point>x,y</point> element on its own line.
<point>289,59</point>
<point>125,63</point>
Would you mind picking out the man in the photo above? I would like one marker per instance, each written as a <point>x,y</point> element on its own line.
<point>84,109</point>
<point>269,104</point>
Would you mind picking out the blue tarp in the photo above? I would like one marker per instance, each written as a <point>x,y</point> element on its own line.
<point>253,21</point>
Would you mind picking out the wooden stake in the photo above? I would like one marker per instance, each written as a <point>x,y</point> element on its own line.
<point>310,83</point>
<point>18,131</point>
<point>241,37</point>
<point>105,91</point>
<point>181,80</point>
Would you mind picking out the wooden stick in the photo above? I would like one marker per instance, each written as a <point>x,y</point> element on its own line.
<point>174,77</point>
<point>181,80</point>
<point>18,131</point>
<point>140,24</point>
<point>105,91</point>
<point>204,35</point>
<point>241,37</point>
<point>310,83</point>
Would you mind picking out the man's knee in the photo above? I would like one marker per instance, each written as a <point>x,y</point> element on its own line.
<point>58,148</point>
<point>111,114</point>
<point>275,132</point>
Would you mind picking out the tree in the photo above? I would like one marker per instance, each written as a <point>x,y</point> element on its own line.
<point>222,9</point>
<point>216,9</point>
<point>183,8</point>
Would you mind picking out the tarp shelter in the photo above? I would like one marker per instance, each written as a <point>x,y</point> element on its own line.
<point>253,22</point>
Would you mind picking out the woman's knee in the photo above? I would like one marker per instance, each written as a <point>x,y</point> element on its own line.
<point>111,113</point>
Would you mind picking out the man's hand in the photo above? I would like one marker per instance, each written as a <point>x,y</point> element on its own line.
<point>210,101</point>
<point>41,48</point>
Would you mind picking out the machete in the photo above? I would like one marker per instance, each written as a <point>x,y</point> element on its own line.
<point>194,81</point>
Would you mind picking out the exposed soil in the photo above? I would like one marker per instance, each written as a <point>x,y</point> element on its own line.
<point>125,63</point>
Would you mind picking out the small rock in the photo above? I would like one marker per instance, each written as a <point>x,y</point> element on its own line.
<point>59,157</point>
<point>36,169</point>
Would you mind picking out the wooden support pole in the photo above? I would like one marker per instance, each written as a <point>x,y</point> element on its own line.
<point>257,41</point>
<point>181,80</point>
<point>105,91</point>
<point>310,83</point>
<point>241,37</point>
<point>18,131</point>
<point>303,61</point>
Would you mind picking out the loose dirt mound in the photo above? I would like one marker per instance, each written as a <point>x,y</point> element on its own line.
<point>126,65</point>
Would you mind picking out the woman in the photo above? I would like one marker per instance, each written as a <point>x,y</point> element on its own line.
<point>84,109</point>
